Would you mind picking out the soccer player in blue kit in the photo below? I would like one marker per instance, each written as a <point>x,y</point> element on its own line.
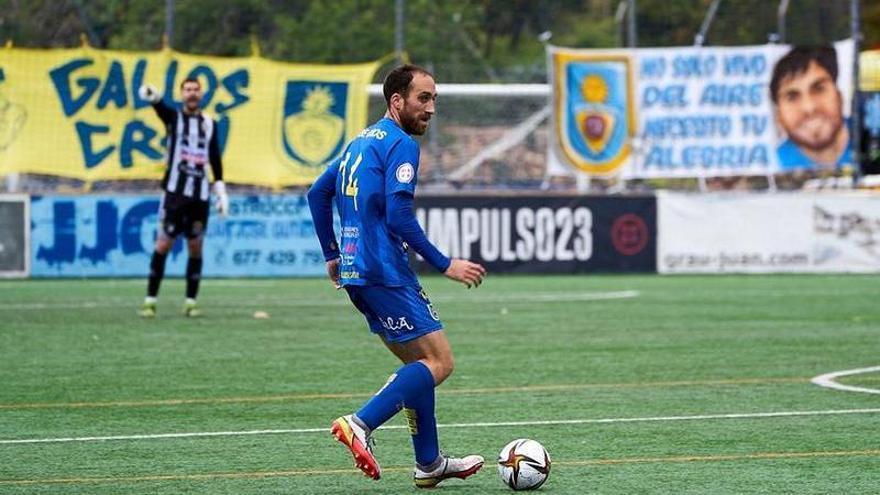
<point>373,183</point>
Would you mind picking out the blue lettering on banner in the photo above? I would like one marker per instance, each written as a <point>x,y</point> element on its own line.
<point>697,126</point>
<point>705,109</point>
<point>61,79</point>
<point>745,65</point>
<point>136,137</point>
<point>132,226</point>
<point>137,80</point>
<point>733,95</point>
<point>76,91</point>
<point>106,235</point>
<point>85,132</point>
<point>63,249</point>
<point>754,125</point>
<point>114,88</point>
<point>110,236</point>
<point>234,84</point>
<point>724,157</point>
<point>694,66</point>
<point>653,67</point>
<point>672,96</point>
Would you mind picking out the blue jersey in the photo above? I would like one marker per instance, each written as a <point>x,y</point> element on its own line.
<point>383,160</point>
<point>792,158</point>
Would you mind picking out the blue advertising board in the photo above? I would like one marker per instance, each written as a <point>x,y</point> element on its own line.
<point>113,236</point>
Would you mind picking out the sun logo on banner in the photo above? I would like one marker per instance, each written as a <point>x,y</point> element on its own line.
<point>593,111</point>
<point>593,122</point>
<point>314,121</point>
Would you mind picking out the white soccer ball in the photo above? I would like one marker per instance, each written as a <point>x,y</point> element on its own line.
<point>524,464</point>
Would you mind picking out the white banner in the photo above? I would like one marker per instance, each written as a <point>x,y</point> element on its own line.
<point>701,111</point>
<point>761,233</point>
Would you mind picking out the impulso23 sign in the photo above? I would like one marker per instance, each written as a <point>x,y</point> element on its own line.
<point>532,234</point>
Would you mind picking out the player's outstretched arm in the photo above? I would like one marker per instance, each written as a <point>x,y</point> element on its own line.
<point>149,93</point>
<point>466,272</point>
<point>401,220</point>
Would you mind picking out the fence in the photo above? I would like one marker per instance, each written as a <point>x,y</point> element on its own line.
<point>498,138</point>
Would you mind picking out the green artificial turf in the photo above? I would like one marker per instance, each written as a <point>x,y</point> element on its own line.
<point>650,356</point>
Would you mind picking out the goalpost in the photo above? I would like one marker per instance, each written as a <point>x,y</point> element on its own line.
<point>478,127</point>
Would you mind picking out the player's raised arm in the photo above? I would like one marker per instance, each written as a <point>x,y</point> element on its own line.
<point>320,197</point>
<point>151,94</point>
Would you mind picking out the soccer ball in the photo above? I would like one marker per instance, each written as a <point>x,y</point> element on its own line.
<point>524,464</point>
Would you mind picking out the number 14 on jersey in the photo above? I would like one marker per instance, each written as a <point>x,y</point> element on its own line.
<point>350,183</point>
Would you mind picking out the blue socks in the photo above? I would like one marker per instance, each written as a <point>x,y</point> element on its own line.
<point>423,427</point>
<point>406,384</point>
<point>412,386</point>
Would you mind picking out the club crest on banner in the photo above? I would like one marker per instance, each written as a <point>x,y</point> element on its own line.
<point>594,111</point>
<point>313,124</point>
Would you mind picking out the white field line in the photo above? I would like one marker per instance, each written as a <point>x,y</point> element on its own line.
<point>343,301</point>
<point>828,380</point>
<point>297,431</point>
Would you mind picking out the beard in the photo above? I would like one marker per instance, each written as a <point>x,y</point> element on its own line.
<point>413,123</point>
<point>816,132</point>
<point>192,104</point>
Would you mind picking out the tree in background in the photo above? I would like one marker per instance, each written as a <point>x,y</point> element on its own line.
<point>871,24</point>
<point>466,40</point>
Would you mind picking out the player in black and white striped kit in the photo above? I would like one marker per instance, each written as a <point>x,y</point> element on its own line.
<point>192,146</point>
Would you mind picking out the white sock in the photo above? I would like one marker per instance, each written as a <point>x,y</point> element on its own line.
<point>150,300</point>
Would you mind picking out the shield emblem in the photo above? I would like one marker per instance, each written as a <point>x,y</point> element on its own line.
<point>593,111</point>
<point>313,127</point>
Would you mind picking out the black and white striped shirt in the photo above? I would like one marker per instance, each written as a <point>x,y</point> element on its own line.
<point>192,143</point>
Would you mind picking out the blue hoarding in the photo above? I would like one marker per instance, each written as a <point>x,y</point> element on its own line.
<point>113,235</point>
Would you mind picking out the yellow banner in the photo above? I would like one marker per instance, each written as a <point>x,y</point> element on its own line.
<point>869,69</point>
<point>76,113</point>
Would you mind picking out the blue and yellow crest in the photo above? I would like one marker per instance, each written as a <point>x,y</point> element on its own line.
<point>593,110</point>
<point>313,125</point>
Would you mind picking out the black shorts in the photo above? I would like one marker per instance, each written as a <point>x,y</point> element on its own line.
<point>182,215</point>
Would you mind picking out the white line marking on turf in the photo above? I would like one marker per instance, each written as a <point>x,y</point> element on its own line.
<point>443,391</point>
<point>828,380</point>
<point>61,305</point>
<point>284,302</point>
<point>699,417</point>
<point>543,297</point>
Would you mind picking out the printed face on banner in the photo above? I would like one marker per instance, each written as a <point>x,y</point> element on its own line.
<point>313,126</point>
<point>809,109</point>
<point>702,111</point>
<point>594,111</point>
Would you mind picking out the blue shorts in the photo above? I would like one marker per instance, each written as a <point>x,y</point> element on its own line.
<point>397,314</point>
